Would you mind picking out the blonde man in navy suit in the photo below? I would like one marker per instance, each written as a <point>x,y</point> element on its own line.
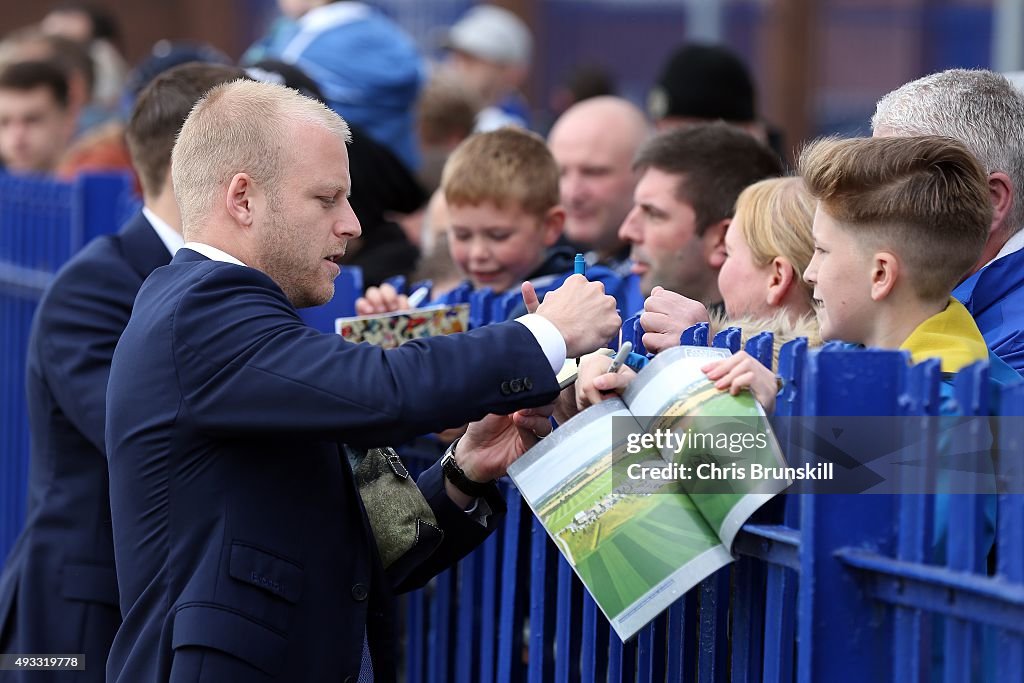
<point>243,550</point>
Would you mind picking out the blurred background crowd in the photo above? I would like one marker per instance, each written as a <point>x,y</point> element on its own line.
<point>415,77</point>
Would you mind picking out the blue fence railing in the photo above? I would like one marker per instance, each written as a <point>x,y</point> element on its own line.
<point>42,223</point>
<point>825,587</point>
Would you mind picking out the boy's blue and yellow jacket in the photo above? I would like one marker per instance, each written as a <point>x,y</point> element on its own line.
<point>953,337</point>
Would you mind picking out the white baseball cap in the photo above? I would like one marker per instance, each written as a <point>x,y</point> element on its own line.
<point>491,33</point>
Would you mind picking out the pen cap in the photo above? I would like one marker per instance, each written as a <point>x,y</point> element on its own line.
<point>579,265</point>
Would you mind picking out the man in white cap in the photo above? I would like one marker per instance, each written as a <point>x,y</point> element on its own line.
<point>490,50</point>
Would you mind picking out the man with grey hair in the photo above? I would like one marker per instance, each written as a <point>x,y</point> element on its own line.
<point>985,112</point>
<point>243,548</point>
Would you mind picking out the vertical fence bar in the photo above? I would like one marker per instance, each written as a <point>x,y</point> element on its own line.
<point>568,625</point>
<point>748,620</point>
<point>416,627</point>
<point>510,627</point>
<point>467,627</point>
<point>489,615</point>
<point>438,654</point>
<point>541,663</point>
<point>621,659</point>
<point>593,642</point>
<point>964,551</point>
<point>695,335</point>
<point>1010,539</point>
<point>838,623</point>
<point>912,645</point>
<point>651,647</point>
<point>713,654</point>
<point>728,339</point>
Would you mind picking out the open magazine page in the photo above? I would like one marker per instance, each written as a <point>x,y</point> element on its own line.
<point>637,546</point>
<point>389,330</point>
<point>713,438</point>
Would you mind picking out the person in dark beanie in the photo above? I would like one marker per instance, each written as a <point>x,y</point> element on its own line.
<point>702,83</point>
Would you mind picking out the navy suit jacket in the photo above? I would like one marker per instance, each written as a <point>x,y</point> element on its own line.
<point>243,551</point>
<point>58,591</point>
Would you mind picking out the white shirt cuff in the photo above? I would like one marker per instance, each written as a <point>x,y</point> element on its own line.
<point>479,511</point>
<point>548,336</point>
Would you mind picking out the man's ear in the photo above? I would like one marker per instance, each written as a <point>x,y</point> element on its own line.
<point>714,243</point>
<point>885,272</point>
<point>1001,190</point>
<point>554,221</point>
<point>780,278</point>
<point>239,199</point>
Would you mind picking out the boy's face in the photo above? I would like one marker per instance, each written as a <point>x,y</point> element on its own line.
<point>499,247</point>
<point>840,272</point>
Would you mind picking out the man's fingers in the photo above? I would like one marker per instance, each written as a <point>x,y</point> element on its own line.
<point>659,341</point>
<point>542,411</point>
<point>538,424</point>
<point>530,297</point>
<point>363,306</point>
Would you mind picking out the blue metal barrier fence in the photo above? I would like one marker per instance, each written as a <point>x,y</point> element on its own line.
<point>834,588</point>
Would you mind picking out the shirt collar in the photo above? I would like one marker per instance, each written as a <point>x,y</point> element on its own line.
<point>212,253</point>
<point>1015,243</point>
<point>171,238</point>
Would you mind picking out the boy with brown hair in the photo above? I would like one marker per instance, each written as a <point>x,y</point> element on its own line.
<point>504,217</point>
<point>503,204</point>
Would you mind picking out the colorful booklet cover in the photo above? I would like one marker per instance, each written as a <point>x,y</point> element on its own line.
<point>645,495</point>
<point>394,329</point>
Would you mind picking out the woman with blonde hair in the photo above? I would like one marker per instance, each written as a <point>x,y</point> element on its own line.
<point>768,246</point>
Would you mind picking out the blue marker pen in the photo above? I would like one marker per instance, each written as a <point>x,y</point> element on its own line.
<point>579,266</point>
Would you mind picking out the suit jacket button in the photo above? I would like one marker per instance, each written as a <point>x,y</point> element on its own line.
<point>350,679</point>
<point>359,592</point>
<point>528,383</point>
<point>516,386</point>
<point>505,389</point>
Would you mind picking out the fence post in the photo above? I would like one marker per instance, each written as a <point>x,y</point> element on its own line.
<point>842,636</point>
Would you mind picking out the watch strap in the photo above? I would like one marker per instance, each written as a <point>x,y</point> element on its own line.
<point>458,478</point>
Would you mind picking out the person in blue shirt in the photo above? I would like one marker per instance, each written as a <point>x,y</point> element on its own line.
<point>369,69</point>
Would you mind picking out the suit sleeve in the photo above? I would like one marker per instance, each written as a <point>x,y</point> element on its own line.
<point>247,364</point>
<point>80,322</point>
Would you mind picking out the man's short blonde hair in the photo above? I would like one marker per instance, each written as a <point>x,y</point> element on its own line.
<point>240,127</point>
<point>925,197</point>
<point>508,166</point>
<point>774,218</point>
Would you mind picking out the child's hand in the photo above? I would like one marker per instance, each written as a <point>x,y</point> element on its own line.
<point>595,384</point>
<point>742,371</point>
<point>383,299</point>
<point>666,314</point>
